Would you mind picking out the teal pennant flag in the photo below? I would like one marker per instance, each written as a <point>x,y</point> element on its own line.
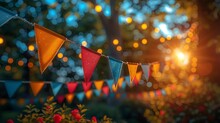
<point>56,86</point>
<point>80,96</point>
<point>115,67</point>
<point>146,70</point>
<point>97,92</point>
<point>5,15</point>
<point>12,86</point>
<point>110,83</point>
<point>127,80</point>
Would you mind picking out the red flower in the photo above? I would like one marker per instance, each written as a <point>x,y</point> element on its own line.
<point>77,117</point>
<point>57,118</point>
<point>48,107</point>
<point>40,120</point>
<point>10,121</point>
<point>74,112</point>
<point>94,120</point>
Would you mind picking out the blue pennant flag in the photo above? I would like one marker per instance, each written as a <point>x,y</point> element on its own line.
<point>56,86</point>
<point>127,80</point>
<point>110,83</point>
<point>146,70</point>
<point>12,86</point>
<point>5,15</point>
<point>97,92</point>
<point>115,67</point>
<point>80,96</point>
<point>163,92</point>
<point>13,102</point>
<point>123,86</point>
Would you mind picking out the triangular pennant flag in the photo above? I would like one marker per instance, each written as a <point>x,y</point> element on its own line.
<point>48,43</point>
<point>120,81</point>
<point>89,62</point>
<point>127,80</point>
<point>97,92</point>
<point>98,84</point>
<point>80,96</point>
<point>12,86</point>
<point>71,86</point>
<point>60,98</point>
<point>123,86</point>
<point>156,67</point>
<point>137,78</point>
<point>110,83</point>
<point>105,90</point>
<point>56,86</point>
<point>86,86</point>
<point>6,15</point>
<point>132,71</point>
<point>163,92</point>
<point>36,87</point>
<point>69,97</point>
<point>114,88</point>
<point>115,67</point>
<point>88,94</point>
<point>146,70</point>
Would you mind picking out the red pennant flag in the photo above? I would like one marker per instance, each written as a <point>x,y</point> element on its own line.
<point>105,90</point>
<point>60,99</point>
<point>89,62</point>
<point>71,86</point>
<point>86,86</point>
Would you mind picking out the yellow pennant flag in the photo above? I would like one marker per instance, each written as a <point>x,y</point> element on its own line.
<point>132,71</point>
<point>88,94</point>
<point>36,87</point>
<point>98,84</point>
<point>114,88</point>
<point>69,97</point>
<point>120,81</point>
<point>156,67</point>
<point>48,43</point>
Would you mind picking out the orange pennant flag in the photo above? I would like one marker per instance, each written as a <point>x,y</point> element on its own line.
<point>156,67</point>
<point>69,97</point>
<point>114,88</point>
<point>132,71</point>
<point>120,81</point>
<point>36,87</point>
<point>88,94</point>
<point>137,78</point>
<point>98,84</point>
<point>48,43</point>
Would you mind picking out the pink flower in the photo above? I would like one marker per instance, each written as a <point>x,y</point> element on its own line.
<point>94,120</point>
<point>77,117</point>
<point>10,121</point>
<point>40,120</point>
<point>74,112</point>
<point>57,118</point>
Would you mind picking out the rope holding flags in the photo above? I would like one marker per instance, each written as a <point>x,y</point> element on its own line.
<point>49,43</point>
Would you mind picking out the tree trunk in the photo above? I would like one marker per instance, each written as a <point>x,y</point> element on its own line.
<point>209,27</point>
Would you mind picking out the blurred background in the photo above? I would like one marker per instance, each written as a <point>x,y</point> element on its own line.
<point>182,36</point>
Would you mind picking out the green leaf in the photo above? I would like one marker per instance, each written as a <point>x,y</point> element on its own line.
<point>83,111</point>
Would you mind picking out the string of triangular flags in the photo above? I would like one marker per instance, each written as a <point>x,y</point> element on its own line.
<point>49,43</point>
<point>144,95</point>
<point>104,86</point>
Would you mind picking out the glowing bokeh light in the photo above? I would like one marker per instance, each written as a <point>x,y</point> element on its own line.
<point>115,42</point>
<point>1,40</point>
<point>98,8</point>
<point>60,55</point>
